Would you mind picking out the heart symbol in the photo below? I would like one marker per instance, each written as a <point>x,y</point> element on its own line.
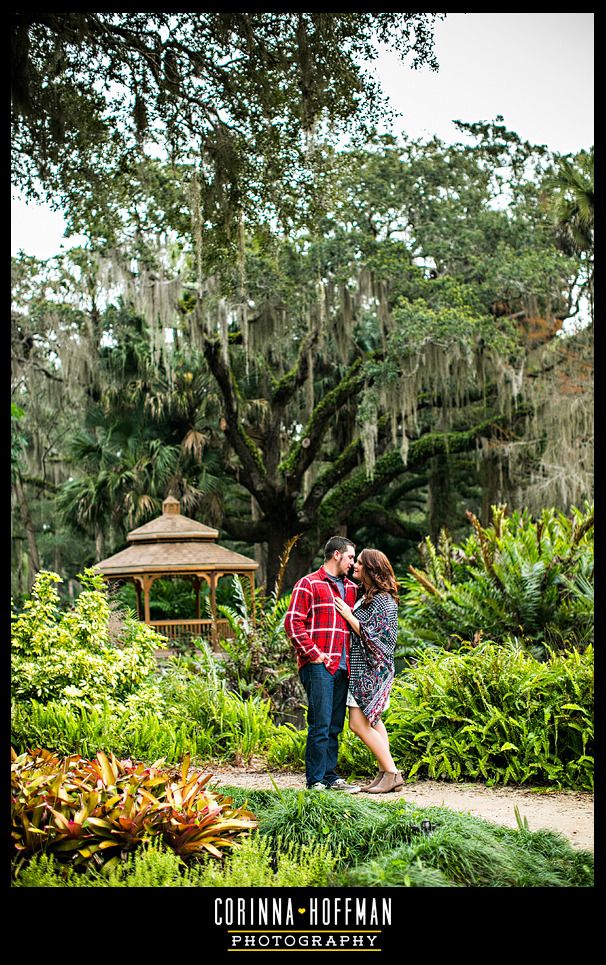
<point>301,910</point>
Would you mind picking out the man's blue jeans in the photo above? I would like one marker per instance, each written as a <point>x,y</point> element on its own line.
<point>327,701</point>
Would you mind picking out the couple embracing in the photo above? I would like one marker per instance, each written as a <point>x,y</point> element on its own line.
<point>344,634</point>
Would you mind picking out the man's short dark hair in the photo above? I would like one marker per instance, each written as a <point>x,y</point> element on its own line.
<point>336,544</point>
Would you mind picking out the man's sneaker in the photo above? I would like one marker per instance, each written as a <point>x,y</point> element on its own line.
<point>341,785</point>
<point>318,786</point>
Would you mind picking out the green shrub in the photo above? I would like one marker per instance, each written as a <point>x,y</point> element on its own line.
<point>259,658</point>
<point>353,828</point>
<point>383,844</point>
<point>258,863</point>
<point>184,709</point>
<point>496,714</point>
<point>517,579</point>
<point>87,654</point>
<point>95,811</point>
<point>470,855</point>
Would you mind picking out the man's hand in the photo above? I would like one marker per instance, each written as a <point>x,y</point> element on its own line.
<point>323,658</point>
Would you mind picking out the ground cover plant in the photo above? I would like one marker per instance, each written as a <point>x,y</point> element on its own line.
<point>398,843</point>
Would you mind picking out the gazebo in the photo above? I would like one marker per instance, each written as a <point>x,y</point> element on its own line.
<point>175,545</point>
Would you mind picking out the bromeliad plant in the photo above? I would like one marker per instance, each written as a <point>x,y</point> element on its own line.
<point>98,810</point>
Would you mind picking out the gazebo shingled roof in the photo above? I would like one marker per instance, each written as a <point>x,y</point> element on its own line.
<point>175,545</point>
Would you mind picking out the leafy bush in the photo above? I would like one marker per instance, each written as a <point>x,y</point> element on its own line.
<point>260,659</point>
<point>88,653</point>
<point>495,713</point>
<point>517,579</point>
<point>191,713</point>
<point>97,810</point>
<point>490,713</point>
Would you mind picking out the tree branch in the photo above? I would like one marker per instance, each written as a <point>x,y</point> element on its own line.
<point>251,457</point>
<point>303,452</point>
<point>247,530</point>
<point>371,513</point>
<point>342,500</point>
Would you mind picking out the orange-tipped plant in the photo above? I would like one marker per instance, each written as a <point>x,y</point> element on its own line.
<point>83,810</point>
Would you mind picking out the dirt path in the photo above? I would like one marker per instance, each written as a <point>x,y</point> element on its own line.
<point>569,812</point>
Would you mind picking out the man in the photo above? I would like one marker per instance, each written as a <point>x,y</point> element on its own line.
<point>320,636</point>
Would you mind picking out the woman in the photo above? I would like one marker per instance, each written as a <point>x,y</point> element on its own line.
<point>374,627</point>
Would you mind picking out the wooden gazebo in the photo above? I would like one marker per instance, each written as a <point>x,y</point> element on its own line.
<point>175,545</point>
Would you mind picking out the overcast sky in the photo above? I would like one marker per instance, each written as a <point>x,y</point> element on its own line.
<point>535,69</point>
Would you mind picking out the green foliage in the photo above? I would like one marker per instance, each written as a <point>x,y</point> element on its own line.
<point>251,862</point>
<point>259,658</point>
<point>86,654</point>
<point>260,863</point>
<point>518,579</point>
<point>307,840</point>
<point>491,713</point>
<point>353,829</point>
<point>97,810</point>
<point>470,853</point>
<point>494,713</point>
<point>383,844</point>
<point>187,710</point>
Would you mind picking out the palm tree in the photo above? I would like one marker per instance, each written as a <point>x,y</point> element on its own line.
<point>572,210</point>
<point>573,204</point>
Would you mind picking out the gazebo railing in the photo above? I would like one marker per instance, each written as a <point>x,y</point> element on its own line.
<point>180,631</point>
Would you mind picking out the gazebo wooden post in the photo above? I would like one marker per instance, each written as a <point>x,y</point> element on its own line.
<point>147,582</point>
<point>213,611</point>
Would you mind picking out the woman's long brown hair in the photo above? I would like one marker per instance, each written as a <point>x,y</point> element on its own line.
<point>379,573</point>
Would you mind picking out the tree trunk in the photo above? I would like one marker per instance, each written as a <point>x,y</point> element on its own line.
<point>441,501</point>
<point>28,525</point>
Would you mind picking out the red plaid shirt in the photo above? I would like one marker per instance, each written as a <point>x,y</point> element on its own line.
<point>313,623</point>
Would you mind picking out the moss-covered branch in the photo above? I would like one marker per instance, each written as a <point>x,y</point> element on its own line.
<point>343,499</point>
<point>372,513</point>
<point>253,465</point>
<point>303,452</point>
<point>285,388</point>
<point>341,467</point>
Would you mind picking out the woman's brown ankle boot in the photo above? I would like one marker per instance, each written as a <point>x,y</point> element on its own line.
<point>374,781</point>
<point>391,781</point>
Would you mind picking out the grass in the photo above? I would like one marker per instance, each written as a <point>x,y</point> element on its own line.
<point>382,843</point>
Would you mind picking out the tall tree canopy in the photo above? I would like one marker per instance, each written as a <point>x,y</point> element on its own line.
<point>244,96</point>
<point>293,337</point>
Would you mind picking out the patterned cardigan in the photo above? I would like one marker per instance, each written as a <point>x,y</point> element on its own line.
<point>371,655</point>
